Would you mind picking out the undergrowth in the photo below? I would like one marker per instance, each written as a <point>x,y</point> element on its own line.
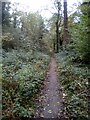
<point>22,76</point>
<point>74,79</point>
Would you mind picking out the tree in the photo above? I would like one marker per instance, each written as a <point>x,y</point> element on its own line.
<point>80,32</point>
<point>58,25</point>
<point>5,15</point>
<point>16,14</point>
<point>58,18</point>
<point>34,28</point>
<point>84,47</point>
<point>65,23</point>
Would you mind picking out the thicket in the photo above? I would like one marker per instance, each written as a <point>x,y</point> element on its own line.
<point>73,65</point>
<point>79,31</point>
<point>25,58</point>
<point>23,75</point>
<point>74,80</point>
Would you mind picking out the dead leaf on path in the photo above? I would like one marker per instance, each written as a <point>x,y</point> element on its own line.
<point>59,114</point>
<point>64,94</point>
<point>49,111</point>
<point>42,97</point>
<point>44,108</point>
<point>58,102</point>
<point>41,115</point>
<point>48,105</point>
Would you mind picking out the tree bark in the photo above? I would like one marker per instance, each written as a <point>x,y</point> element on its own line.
<point>65,24</point>
<point>57,27</point>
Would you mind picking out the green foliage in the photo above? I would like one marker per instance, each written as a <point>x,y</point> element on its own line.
<point>26,30</point>
<point>83,44</point>
<point>5,15</point>
<point>7,41</point>
<point>23,74</point>
<point>74,80</point>
<point>80,33</point>
<point>24,66</point>
<point>33,27</point>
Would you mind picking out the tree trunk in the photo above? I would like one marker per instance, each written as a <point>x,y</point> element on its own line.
<point>15,22</point>
<point>57,37</point>
<point>65,24</point>
<point>57,27</point>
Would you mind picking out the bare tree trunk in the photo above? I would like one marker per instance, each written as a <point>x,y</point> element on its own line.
<point>65,24</point>
<point>54,45</point>
<point>57,37</point>
<point>15,22</point>
<point>57,27</point>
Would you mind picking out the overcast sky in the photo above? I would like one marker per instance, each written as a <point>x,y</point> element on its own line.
<point>41,5</point>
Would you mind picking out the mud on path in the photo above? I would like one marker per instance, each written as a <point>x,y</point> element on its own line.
<point>50,103</point>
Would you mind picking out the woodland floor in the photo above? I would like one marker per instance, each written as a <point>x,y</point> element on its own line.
<point>50,101</point>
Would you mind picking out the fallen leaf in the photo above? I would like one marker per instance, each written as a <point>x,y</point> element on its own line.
<point>47,104</point>
<point>49,111</point>
<point>44,108</point>
<point>41,115</point>
<point>58,102</point>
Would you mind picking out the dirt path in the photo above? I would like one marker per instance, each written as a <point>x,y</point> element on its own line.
<point>50,102</point>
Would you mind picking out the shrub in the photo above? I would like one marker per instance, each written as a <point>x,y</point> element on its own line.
<point>7,41</point>
<point>23,75</point>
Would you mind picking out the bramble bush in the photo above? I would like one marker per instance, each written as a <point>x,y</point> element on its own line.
<point>23,74</point>
<point>74,80</point>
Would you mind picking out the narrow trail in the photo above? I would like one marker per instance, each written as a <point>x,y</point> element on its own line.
<point>50,101</point>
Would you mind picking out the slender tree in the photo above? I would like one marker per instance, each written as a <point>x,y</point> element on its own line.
<point>5,14</point>
<point>58,23</point>
<point>65,24</point>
